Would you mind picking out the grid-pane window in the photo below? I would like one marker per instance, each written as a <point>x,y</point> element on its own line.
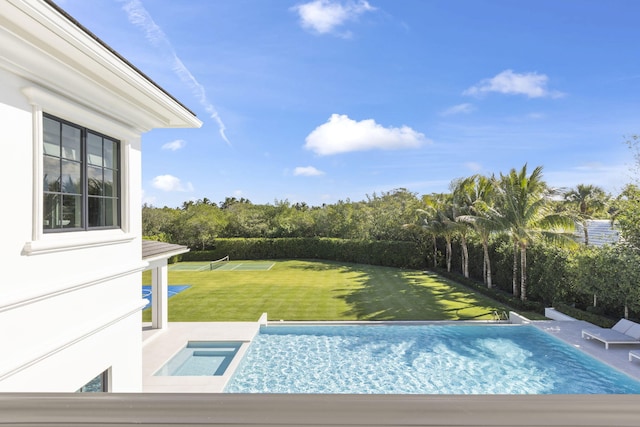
<point>80,178</point>
<point>97,385</point>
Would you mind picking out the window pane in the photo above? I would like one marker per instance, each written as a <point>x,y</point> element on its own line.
<point>110,154</point>
<point>70,142</point>
<point>96,385</point>
<point>71,211</point>
<point>51,137</point>
<point>52,211</point>
<point>80,177</point>
<point>71,177</point>
<point>51,174</point>
<point>111,212</point>
<point>94,149</point>
<point>96,212</point>
<point>95,181</point>
<point>108,183</point>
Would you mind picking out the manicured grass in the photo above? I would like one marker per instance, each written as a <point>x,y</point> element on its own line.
<point>322,290</point>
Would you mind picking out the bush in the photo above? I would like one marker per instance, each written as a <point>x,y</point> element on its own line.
<point>494,293</point>
<point>596,319</point>
<point>384,253</point>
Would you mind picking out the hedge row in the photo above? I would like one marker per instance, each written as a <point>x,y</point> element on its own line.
<point>385,253</point>
<point>576,313</point>
<point>494,293</point>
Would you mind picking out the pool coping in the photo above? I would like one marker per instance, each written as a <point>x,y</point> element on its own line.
<point>161,345</point>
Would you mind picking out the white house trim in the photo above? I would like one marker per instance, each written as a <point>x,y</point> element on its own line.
<point>67,287</point>
<point>57,242</point>
<point>77,58</point>
<point>77,337</point>
<point>157,255</point>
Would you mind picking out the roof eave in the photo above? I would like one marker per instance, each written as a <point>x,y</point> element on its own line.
<point>47,46</point>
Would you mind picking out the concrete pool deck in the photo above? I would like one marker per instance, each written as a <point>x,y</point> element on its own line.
<point>570,332</point>
<point>160,345</point>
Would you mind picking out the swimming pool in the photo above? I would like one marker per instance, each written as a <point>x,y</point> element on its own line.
<point>201,358</point>
<point>432,359</point>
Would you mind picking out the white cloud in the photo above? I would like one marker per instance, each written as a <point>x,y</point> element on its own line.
<point>324,16</point>
<point>139,16</point>
<point>532,85</point>
<point>340,134</point>
<point>307,171</point>
<point>174,145</point>
<point>458,109</point>
<point>171,183</point>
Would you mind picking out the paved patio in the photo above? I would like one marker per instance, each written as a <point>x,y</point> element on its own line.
<point>571,333</point>
<point>160,345</point>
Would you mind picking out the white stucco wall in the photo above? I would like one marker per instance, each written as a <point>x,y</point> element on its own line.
<point>70,312</point>
<point>70,301</point>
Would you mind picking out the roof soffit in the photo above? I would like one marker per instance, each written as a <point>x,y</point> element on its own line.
<point>45,47</point>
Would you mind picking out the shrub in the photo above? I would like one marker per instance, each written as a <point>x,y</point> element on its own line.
<point>384,253</point>
<point>596,319</point>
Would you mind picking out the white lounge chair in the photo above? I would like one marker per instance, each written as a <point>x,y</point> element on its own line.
<point>634,354</point>
<point>623,332</point>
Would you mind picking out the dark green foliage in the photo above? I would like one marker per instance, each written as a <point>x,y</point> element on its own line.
<point>576,313</point>
<point>375,252</point>
<point>627,214</point>
<point>551,273</point>
<point>496,294</point>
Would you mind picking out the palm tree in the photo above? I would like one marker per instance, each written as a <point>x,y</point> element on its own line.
<point>586,201</point>
<point>437,221</point>
<point>480,197</point>
<point>523,201</point>
<point>462,200</point>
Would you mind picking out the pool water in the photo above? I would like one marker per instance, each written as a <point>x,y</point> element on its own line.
<point>433,359</point>
<point>201,358</point>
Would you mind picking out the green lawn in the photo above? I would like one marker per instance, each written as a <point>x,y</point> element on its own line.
<point>321,290</point>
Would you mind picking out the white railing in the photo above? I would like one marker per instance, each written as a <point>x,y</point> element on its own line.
<point>317,410</point>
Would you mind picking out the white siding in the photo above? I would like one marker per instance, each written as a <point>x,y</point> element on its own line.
<point>69,302</point>
<point>72,311</point>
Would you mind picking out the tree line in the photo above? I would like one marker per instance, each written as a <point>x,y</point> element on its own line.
<point>198,224</point>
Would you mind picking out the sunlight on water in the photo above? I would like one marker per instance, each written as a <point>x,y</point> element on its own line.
<point>420,359</point>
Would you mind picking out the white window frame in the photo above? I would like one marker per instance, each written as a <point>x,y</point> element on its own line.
<point>64,108</point>
<point>82,188</point>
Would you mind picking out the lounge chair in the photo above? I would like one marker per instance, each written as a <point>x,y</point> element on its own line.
<point>634,354</point>
<point>623,332</point>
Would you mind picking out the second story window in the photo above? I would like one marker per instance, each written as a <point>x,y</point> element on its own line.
<point>81,178</point>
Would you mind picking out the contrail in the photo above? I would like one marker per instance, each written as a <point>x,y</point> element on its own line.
<point>139,16</point>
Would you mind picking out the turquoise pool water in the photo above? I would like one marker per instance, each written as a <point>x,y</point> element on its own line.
<point>433,359</point>
<point>201,358</point>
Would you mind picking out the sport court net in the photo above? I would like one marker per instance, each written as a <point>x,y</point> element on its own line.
<point>223,264</point>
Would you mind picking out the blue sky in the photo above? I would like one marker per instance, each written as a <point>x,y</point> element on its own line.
<point>323,100</point>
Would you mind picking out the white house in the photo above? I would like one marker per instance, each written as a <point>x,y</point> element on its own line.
<point>600,232</point>
<point>72,112</point>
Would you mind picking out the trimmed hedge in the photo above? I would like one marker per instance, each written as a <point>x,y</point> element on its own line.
<point>576,313</point>
<point>377,252</point>
<point>494,293</point>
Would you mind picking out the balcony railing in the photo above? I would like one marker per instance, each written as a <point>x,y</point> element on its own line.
<point>317,410</point>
